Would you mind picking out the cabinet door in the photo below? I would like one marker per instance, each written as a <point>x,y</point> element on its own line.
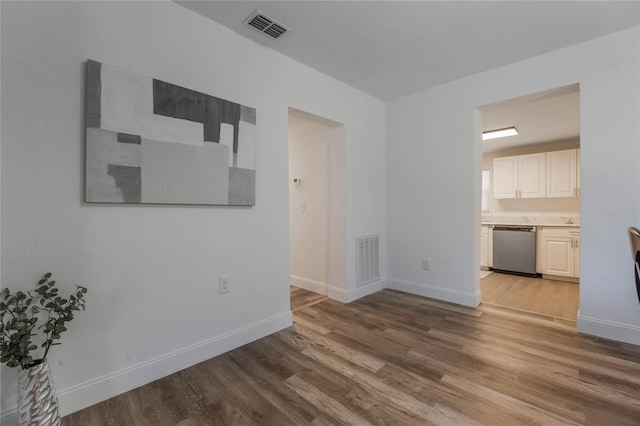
<point>578,187</point>
<point>561,173</point>
<point>484,246</point>
<point>576,253</point>
<point>531,175</point>
<point>505,177</point>
<point>558,256</point>
<point>489,247</point>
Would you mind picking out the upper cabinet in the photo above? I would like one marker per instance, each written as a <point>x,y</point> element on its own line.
<point>563,173</point>
<point>544,174</point>
<point>505,177</point>
<point>519,176</point>
<point>531,175</point>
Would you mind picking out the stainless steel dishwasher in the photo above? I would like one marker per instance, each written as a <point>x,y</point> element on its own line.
<point>514,249</point>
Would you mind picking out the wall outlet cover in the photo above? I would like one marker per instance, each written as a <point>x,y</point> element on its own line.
<point>224,284</point>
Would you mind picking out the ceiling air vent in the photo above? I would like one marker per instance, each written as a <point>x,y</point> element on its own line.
<point>265,24</point>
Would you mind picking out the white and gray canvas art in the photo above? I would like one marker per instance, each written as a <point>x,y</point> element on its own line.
<point>149,141</point>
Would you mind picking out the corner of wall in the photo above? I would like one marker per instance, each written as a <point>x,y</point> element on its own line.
<point>464,298</point>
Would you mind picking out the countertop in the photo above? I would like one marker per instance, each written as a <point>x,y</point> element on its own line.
<point>561,225</point>
<point>570,221</point>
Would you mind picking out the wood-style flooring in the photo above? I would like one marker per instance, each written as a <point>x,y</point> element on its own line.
<point>301,298</point>
<point>545,297</point>
<point>397,359</point>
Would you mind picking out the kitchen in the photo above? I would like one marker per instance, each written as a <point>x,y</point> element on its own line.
<point>530,223</point>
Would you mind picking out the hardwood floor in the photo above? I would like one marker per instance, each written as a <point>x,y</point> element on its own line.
<point>397,359</point>
<point>301,298</point>
<point>545,297</point>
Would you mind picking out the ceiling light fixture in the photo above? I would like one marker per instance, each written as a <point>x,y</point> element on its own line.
<point>499,133</point>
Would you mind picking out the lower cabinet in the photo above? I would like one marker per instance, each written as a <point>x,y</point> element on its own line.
<point>486,247</point>
<point>559,251</point>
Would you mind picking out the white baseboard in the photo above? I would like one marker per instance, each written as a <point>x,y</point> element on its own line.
<point>436,292</point>
<point>366,290</point>
<point>10,418</point>
<point>102,388</point>
<point>348,296</point>
<point>307,284</point>
<point>609,329</point>
<point>337,293</point>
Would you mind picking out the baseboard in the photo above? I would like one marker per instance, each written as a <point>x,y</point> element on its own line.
<point>348,296</point>
<point>307,284</point>
<point>366,290</point>
<point>337,293</point>
<point>10,418</point>
<point>99,389</point>
<point>609,329</point>
<point>559,278</point>
<point>436,292</point>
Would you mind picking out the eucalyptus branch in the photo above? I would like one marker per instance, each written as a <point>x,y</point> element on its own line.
<point>16,333</point>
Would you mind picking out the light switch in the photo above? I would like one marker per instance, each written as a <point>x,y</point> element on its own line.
<point>303,206</point>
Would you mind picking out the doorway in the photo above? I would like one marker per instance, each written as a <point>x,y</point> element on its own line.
<point>316,206</point>
<point>531,182</point>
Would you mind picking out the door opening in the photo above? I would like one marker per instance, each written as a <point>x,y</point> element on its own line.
<point>532,180</point>
<point>316,206</point>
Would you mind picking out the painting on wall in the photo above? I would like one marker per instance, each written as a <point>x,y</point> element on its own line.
<point>148,141</point>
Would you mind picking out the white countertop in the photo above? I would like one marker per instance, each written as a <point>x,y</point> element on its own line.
<point>562,225</point>
<point>572,221</point>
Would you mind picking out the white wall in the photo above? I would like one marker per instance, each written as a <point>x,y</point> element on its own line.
<point>152,270</point>
<point>434,166</point>
<point>563,206</point>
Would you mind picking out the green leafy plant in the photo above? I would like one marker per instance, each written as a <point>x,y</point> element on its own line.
<point>20,314</point>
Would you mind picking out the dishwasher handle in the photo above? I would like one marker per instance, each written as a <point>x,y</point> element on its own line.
<point>515,228</point>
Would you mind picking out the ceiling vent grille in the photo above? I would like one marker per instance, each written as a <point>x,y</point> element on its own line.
<point>266,24</point>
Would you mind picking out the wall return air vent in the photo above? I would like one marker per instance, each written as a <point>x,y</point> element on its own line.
<point>266,24</point>
<point>367,259</point>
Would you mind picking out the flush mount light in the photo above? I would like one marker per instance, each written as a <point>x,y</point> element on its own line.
<point>499,133</point>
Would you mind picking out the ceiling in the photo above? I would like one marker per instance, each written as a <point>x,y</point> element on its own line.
<point>392,48</point>
<point>543,117</point>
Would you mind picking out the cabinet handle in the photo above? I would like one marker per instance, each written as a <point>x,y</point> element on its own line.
<point>573,243</point>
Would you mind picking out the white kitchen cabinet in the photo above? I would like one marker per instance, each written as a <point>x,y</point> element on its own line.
<point>519,176</point>
<point>484,246</point>
<point>505,177</point>
<point>531,175</point>
<point>576,254</point>
<point>560,251</point>
<point>563,173</point>
<point>579,187</point>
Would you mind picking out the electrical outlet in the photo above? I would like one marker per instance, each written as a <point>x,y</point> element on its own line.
<point>224,284</point>
<point>425,264</point>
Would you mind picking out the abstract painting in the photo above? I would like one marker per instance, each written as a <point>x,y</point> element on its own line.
<point>148,141</point>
